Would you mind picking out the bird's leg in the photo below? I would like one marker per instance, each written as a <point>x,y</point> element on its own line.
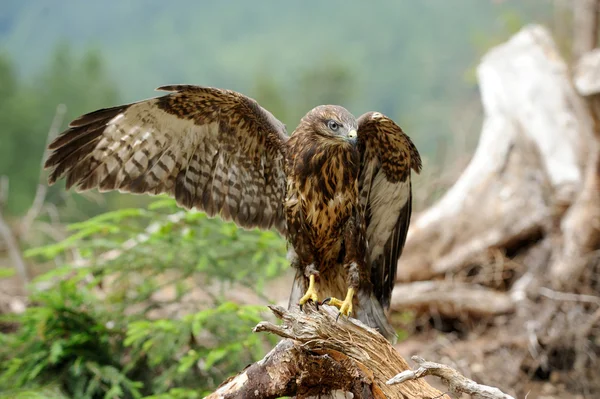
<point>311,292</point>
<point>355,253</point>
<point>303,259</point>
<point>345,306</point>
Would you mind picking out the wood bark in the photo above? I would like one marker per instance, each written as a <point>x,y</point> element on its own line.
<point>581,225</point>
<point>456,382</point>
<point>320,356</point>
<point>451,299</point>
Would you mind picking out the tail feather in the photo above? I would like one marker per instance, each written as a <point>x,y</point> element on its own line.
<point>298,288</point>
<point>372,314</point>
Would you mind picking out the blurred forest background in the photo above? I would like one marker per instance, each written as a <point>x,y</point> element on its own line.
<point>412,60</point>
<point>128,296</point>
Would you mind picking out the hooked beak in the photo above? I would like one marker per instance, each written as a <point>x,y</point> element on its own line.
<point>352,134</point>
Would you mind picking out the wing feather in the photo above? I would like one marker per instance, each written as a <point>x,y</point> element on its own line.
<point>387,157</point>
<point>212,149</point>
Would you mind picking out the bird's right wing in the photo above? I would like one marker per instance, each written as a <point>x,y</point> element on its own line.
<point>212,149</point>
<point>387,157</point>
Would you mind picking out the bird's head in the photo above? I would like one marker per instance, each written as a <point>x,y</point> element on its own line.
<point>331,123</point>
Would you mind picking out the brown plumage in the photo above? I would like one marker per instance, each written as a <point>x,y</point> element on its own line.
<point>388,155</point>
<point>338,189</point>
<point>197,144</point>
<point>322,184</point>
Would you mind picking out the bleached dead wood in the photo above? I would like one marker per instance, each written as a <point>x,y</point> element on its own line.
<point>527,209</point>
<point>587,74</point>
<point>585,26</point>
<point>13,250</point>
<point>39,198</point>
<point>322,357</point>
<point>527,168</point>
<point>451,299</point>
<point>580,226</point>
<point>456,382</point>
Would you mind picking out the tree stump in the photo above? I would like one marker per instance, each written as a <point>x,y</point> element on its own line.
<point>526,169</point>
<point>519,231</point>
<point>320,356</point>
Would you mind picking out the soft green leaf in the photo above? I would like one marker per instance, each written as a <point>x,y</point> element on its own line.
<point>214,356</point>
<point>7,272</point>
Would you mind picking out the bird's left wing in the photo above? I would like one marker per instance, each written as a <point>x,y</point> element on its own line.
<point>213,149</point>
<point>387,157</point>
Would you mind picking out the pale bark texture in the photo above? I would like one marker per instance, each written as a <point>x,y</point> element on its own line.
<point>585,26</point>
<point>580,226</point>
<point>508,259</point>
<point>451,299</point>
<point>320,356</point>
<point>527,167</point>
<point>456,382</point>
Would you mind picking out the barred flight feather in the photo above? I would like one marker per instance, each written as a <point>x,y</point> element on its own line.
<point>212,149</point>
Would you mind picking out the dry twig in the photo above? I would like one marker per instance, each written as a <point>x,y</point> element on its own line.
<point>455,381</point>
<point>451,299</point>
<point>6,233</point>
<point>42,188</point>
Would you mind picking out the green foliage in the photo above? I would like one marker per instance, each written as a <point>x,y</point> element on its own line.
<point>65,336</point>
<point>44,392</point>
<point>7,272</point>
<point>118,328</point>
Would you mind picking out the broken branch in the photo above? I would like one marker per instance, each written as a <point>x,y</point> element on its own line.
<point>456,382</point>
<point>320,356</point>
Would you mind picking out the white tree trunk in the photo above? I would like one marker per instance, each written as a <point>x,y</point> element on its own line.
<point>585,26</point>
<point>580,227</point>
<point>528,166</point>
<point>523,221</point>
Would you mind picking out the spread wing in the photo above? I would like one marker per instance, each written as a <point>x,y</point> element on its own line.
<point>212,149</point>
<point>387,156</point>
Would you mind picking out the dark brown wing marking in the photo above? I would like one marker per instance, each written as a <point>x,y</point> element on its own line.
<point>213,149</point>
<point>387,156</point>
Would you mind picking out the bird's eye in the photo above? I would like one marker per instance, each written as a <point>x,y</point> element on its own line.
<point>333,125</point>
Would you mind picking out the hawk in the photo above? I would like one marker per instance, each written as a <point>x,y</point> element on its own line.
<point>338,188</point>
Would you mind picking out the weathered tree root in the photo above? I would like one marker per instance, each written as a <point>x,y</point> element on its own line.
<point>456,382</point>
<point>451,299</point>
<point>320,356</point>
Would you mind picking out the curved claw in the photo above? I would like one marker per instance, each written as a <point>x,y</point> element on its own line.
<point>310,295</point>
<point>345,306</point>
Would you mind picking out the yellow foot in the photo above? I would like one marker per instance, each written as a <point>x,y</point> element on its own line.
<point>311,293</point>
<point>345,307</point>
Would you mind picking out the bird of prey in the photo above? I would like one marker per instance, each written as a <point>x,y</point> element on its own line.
<point>338,188</point>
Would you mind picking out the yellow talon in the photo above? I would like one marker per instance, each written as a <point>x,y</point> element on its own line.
<point>345,307</point>
<point>311,293</point>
